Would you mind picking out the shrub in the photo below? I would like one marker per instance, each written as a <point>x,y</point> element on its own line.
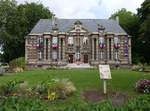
<point>143,86</point>
<point>16,103</point>
<point>9,88</point>
<point>141,103</point>
<point>41,88</point>
<point>61,88</point>
<point>18,62</point>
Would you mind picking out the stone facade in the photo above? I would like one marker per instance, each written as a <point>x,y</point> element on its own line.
<point>76,45</point>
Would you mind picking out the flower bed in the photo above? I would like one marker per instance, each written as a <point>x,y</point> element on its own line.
<point>143,86</point>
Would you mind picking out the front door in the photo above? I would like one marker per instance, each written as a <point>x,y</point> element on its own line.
<point>70,59</point>
<point>85,58</point>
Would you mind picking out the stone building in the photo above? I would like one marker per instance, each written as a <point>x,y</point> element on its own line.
<point>77,41</point>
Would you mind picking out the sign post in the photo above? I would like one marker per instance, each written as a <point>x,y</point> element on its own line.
<point>105,74</point>
<point>105,86</point>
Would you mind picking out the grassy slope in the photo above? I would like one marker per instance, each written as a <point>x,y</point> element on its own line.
<point>122,80</point>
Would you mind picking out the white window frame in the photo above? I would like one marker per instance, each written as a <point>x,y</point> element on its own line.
<point>116,40</point>
<point>70,40</point>
<point>55,40</point>
<point>85,40</point>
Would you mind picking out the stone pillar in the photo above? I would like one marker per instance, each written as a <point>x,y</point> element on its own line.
<point>59,49</point>
<point>107,48</point>
<point>44,49</point>
<point>63,49</point>
<point>112,49</point>
<point>49,49</point>
<point>97,49</point>
<point>129,51</point>
<point>80,42</point>
<point>92,49</point>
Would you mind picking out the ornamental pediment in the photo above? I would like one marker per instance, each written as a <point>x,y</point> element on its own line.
<point>78,27</point>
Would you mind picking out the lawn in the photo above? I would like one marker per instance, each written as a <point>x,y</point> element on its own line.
<point>84,79</point>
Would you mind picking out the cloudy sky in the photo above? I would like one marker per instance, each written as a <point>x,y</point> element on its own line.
<point>87,8</point>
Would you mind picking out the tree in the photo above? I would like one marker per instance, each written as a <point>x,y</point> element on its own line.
<point>16,21</point>
<point>130,23</point>
<point>144,14</point>
<point>7,14</point>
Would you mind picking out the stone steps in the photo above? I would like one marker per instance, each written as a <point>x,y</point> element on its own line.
<point>74,65</point>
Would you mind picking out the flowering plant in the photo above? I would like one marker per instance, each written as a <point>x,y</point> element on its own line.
<point>143,86</point>
<point>39,46</point>
<point>55,46</point>
<point>117,46</point>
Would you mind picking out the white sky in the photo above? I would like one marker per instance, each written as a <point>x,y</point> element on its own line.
<point>87,8</point>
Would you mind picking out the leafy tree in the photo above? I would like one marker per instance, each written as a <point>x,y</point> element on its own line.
<point>7,16</point>
<point>16,21</point>
<point>130,23</point>
<point>144,14</point>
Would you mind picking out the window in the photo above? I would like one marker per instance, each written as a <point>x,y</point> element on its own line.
<point>101,40</point>
<point>54,55</point>
<point>40,43</point>
<point>70,40</point>
<point>116,40</point>
<point>78,55</point>
<point>54,40</point>
<point>40,55</point>
<point>85,40</point>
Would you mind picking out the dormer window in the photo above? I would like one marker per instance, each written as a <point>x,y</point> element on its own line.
<point>78,23</point>
<point>78,26</point>
<point>100,29</point>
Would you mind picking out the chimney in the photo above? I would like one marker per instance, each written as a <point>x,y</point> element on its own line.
<point>117,19</point>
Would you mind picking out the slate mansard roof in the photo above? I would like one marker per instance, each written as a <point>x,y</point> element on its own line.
<point>64,25</point>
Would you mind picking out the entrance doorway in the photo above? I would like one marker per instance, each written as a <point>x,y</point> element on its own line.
<point>85,58</point>
<point>70,59</point>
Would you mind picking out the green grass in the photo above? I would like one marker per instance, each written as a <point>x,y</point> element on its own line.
<point>122,80</point>
<point>84,79</point>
